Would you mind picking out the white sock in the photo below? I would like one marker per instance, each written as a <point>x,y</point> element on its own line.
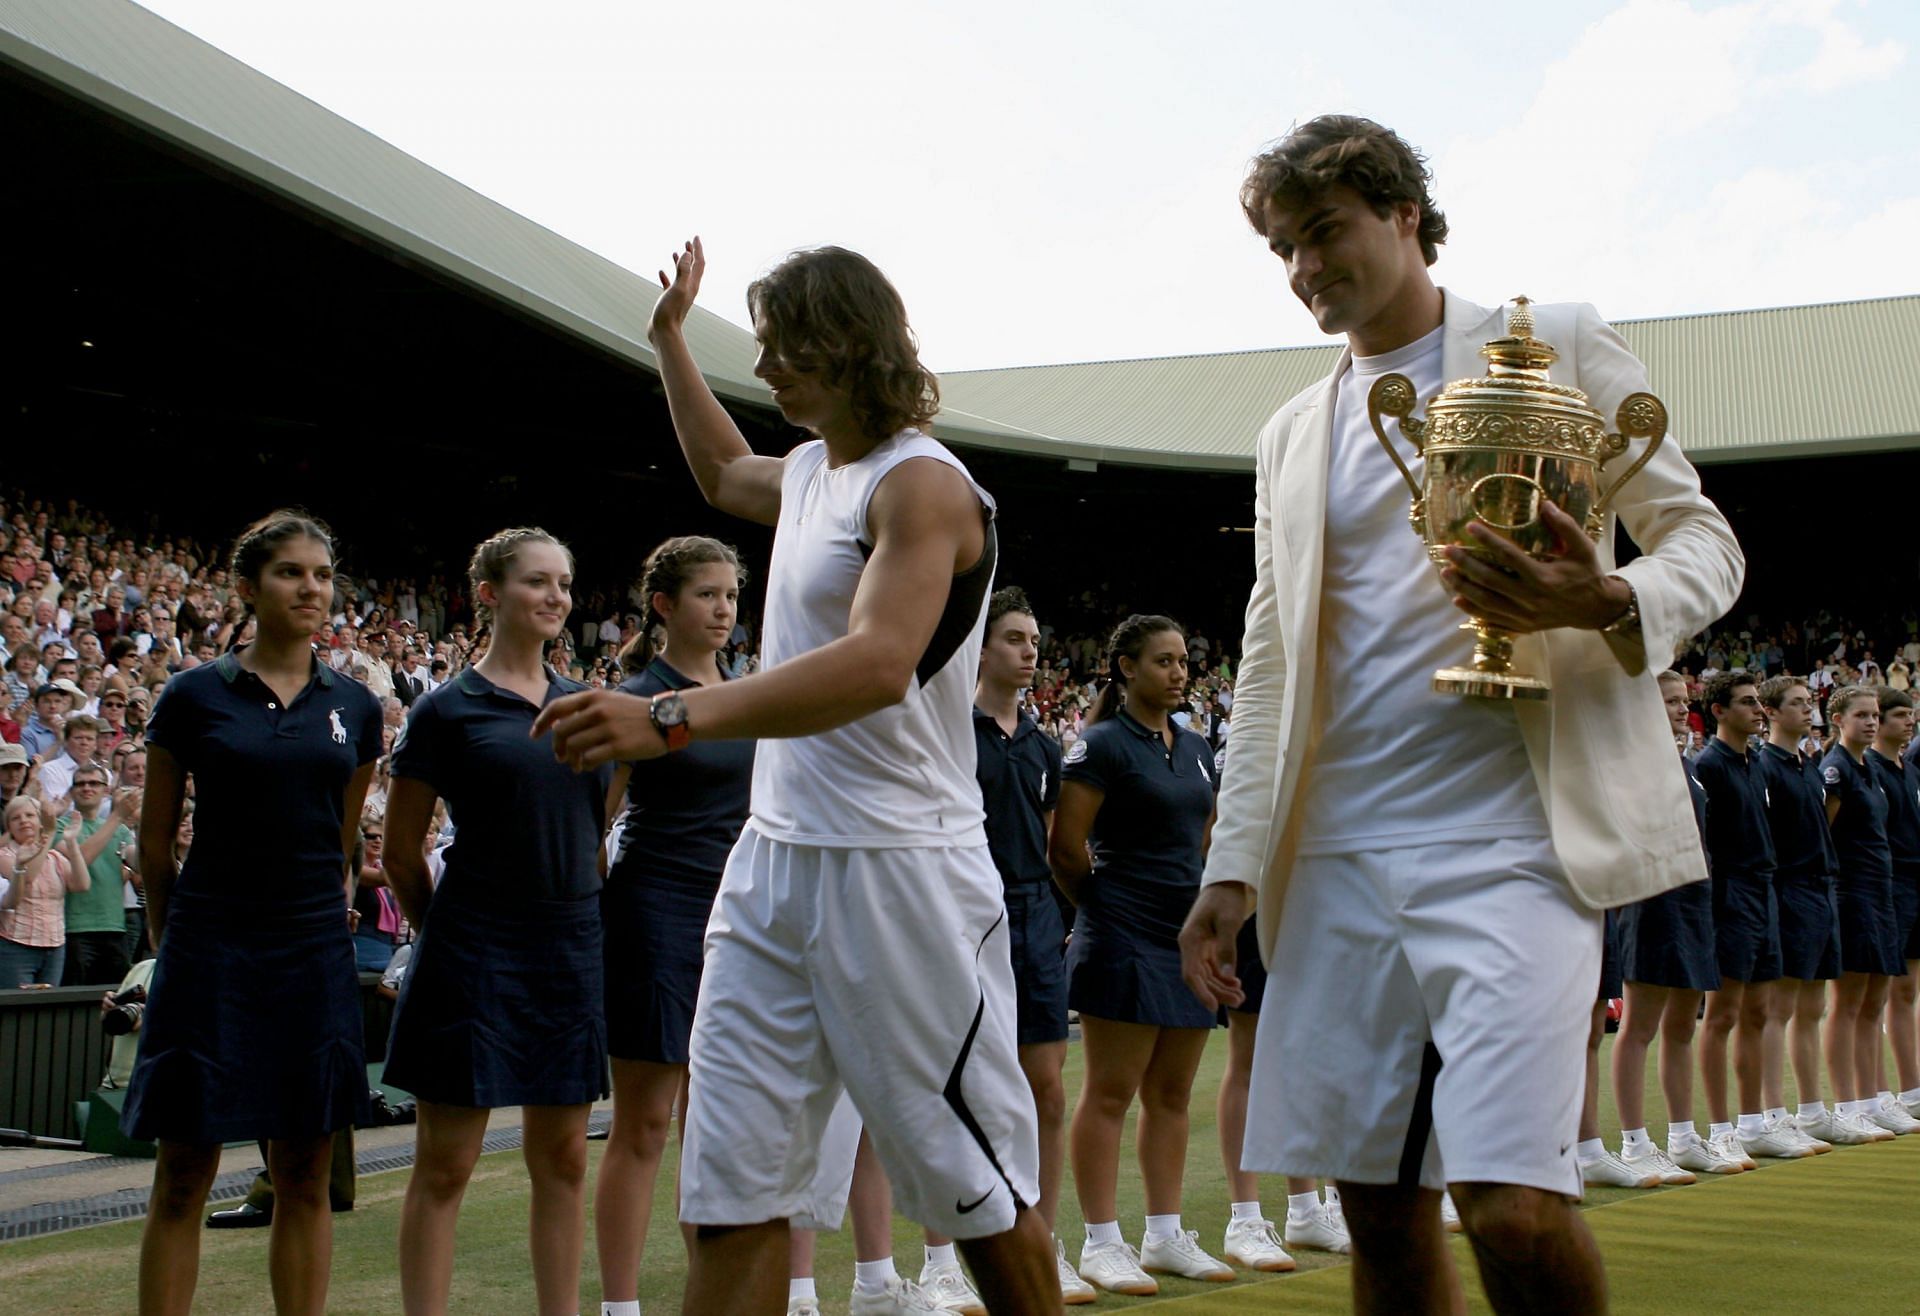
<point>801,1288</point>
<point>1911,1096</point>
<point>1776,1113</point>
<point>1333,1195</point>
<point>1301,1206</point>
<point>1847,1107</point>
<point>620,1308</point>
<point>1163,1227</point>
<point>1752,1124</point>
<point>1718,1127</point>
<point>1883,1096</point>
<point>1106,1231</point>
<point>1635,1138</point>
<point>872,1276</point>
<point>1809,1109</point>
<point>1682,1134</point>
<point>941,1255</point>
<point>1246,1210</point>
<point>1590,1150</point>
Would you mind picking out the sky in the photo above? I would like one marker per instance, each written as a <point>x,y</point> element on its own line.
<point>1058,181</point>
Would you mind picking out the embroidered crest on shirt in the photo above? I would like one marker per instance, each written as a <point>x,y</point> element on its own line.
<point>1832,774</point>
<point>1078,752</point>
<point>339,727</point>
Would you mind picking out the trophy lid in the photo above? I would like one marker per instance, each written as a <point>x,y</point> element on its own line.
<point>1519,354</point>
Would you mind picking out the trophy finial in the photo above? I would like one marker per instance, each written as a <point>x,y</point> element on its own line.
<point>1520,353</point>
<point>1520,323</point>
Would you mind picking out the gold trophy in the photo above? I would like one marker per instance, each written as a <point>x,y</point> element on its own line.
<point>1495,448</point>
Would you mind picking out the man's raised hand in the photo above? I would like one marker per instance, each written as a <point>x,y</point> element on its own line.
<point>670,311</point>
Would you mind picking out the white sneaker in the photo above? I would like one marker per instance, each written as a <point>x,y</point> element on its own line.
<point>1182,1255</point>
<point>951,1290</point>
<point>1862,1123</point>
<point>1647,1158</point>
<point>1608,1171</point>
<point>1255,1245</point>
<point>1704,1157</point>
<point>1115,1267</point>
<point>1074,1291</point>
<point>803,1307</point>
<point>1449,1215</point>
<point>1912,1107</point>
<point>1833,1129</point>
<point>1775,1143</point>
<point>1728,1145</point>
<point>902,1298</point>
<point>1786,1124</point>
<point>1892,1116</point>
<point>1324,1229</point>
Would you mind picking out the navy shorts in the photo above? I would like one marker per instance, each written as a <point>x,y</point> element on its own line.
<point>1868,927</point>
<point>1036,940</point>
<point>1906,914</point>
<point>1809,928</point>
<point>1746,929</point>
<point>1612,985</point>
<point>655,943</point>
<point>1251,969</point>
<point>1667,940</point>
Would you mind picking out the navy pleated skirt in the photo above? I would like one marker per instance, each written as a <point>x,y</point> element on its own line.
<point>252,1028</point>
<point>502,1005</point>
<point>1120,973</point>
<point>655,939</point>
<point>1667,940</point>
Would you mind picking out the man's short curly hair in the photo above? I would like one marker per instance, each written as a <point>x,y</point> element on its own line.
<point>1343,148</point>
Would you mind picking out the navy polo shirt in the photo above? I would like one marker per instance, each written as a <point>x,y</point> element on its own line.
<point>1019,779</point>
<point>684,810</point>
<point>526,827</point>
<point>1739,838</point>
<point>1148,834</point>
<point>1900,779</point>
<point>1797,813</point>
<point>1860,828</point>
<point>269,778</point>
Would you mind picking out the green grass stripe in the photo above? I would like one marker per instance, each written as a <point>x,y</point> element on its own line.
<point>1831,1234</point>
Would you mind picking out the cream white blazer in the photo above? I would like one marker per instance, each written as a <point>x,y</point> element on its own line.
<point>1600,748</point>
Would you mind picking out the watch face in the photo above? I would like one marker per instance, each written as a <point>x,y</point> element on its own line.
<point>669,710</point>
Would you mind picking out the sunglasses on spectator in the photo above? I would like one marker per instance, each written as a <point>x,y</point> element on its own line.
<point>373,836</point>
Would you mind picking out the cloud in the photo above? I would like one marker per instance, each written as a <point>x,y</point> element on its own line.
<point>1622,177</point>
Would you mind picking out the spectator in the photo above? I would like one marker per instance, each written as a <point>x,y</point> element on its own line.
<point>81,737</point>
<point>13,773</point>
<point>41,734</point>
<point>41,865</point>
<point>96,913</point>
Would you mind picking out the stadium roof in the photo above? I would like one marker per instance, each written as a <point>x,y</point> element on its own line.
<point>1793,381</point>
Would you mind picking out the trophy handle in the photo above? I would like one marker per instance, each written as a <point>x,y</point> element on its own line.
<point>1641,415</point>
<point>1392,395</point>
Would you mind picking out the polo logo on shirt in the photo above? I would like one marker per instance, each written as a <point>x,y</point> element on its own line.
<point>339,727</point>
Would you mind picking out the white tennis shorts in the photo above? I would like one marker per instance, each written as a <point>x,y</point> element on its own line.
<point>881,972</point>
<point>1426,1019</point>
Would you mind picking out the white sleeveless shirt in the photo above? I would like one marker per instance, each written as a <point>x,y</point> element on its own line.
<point>904,776</point>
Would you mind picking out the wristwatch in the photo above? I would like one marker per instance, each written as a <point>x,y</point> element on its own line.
<point>669,714</point>
<point>1628,622</point>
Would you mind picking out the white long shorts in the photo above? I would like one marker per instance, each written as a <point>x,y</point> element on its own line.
<point>881,972</point>
<point>1426,1019</point>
